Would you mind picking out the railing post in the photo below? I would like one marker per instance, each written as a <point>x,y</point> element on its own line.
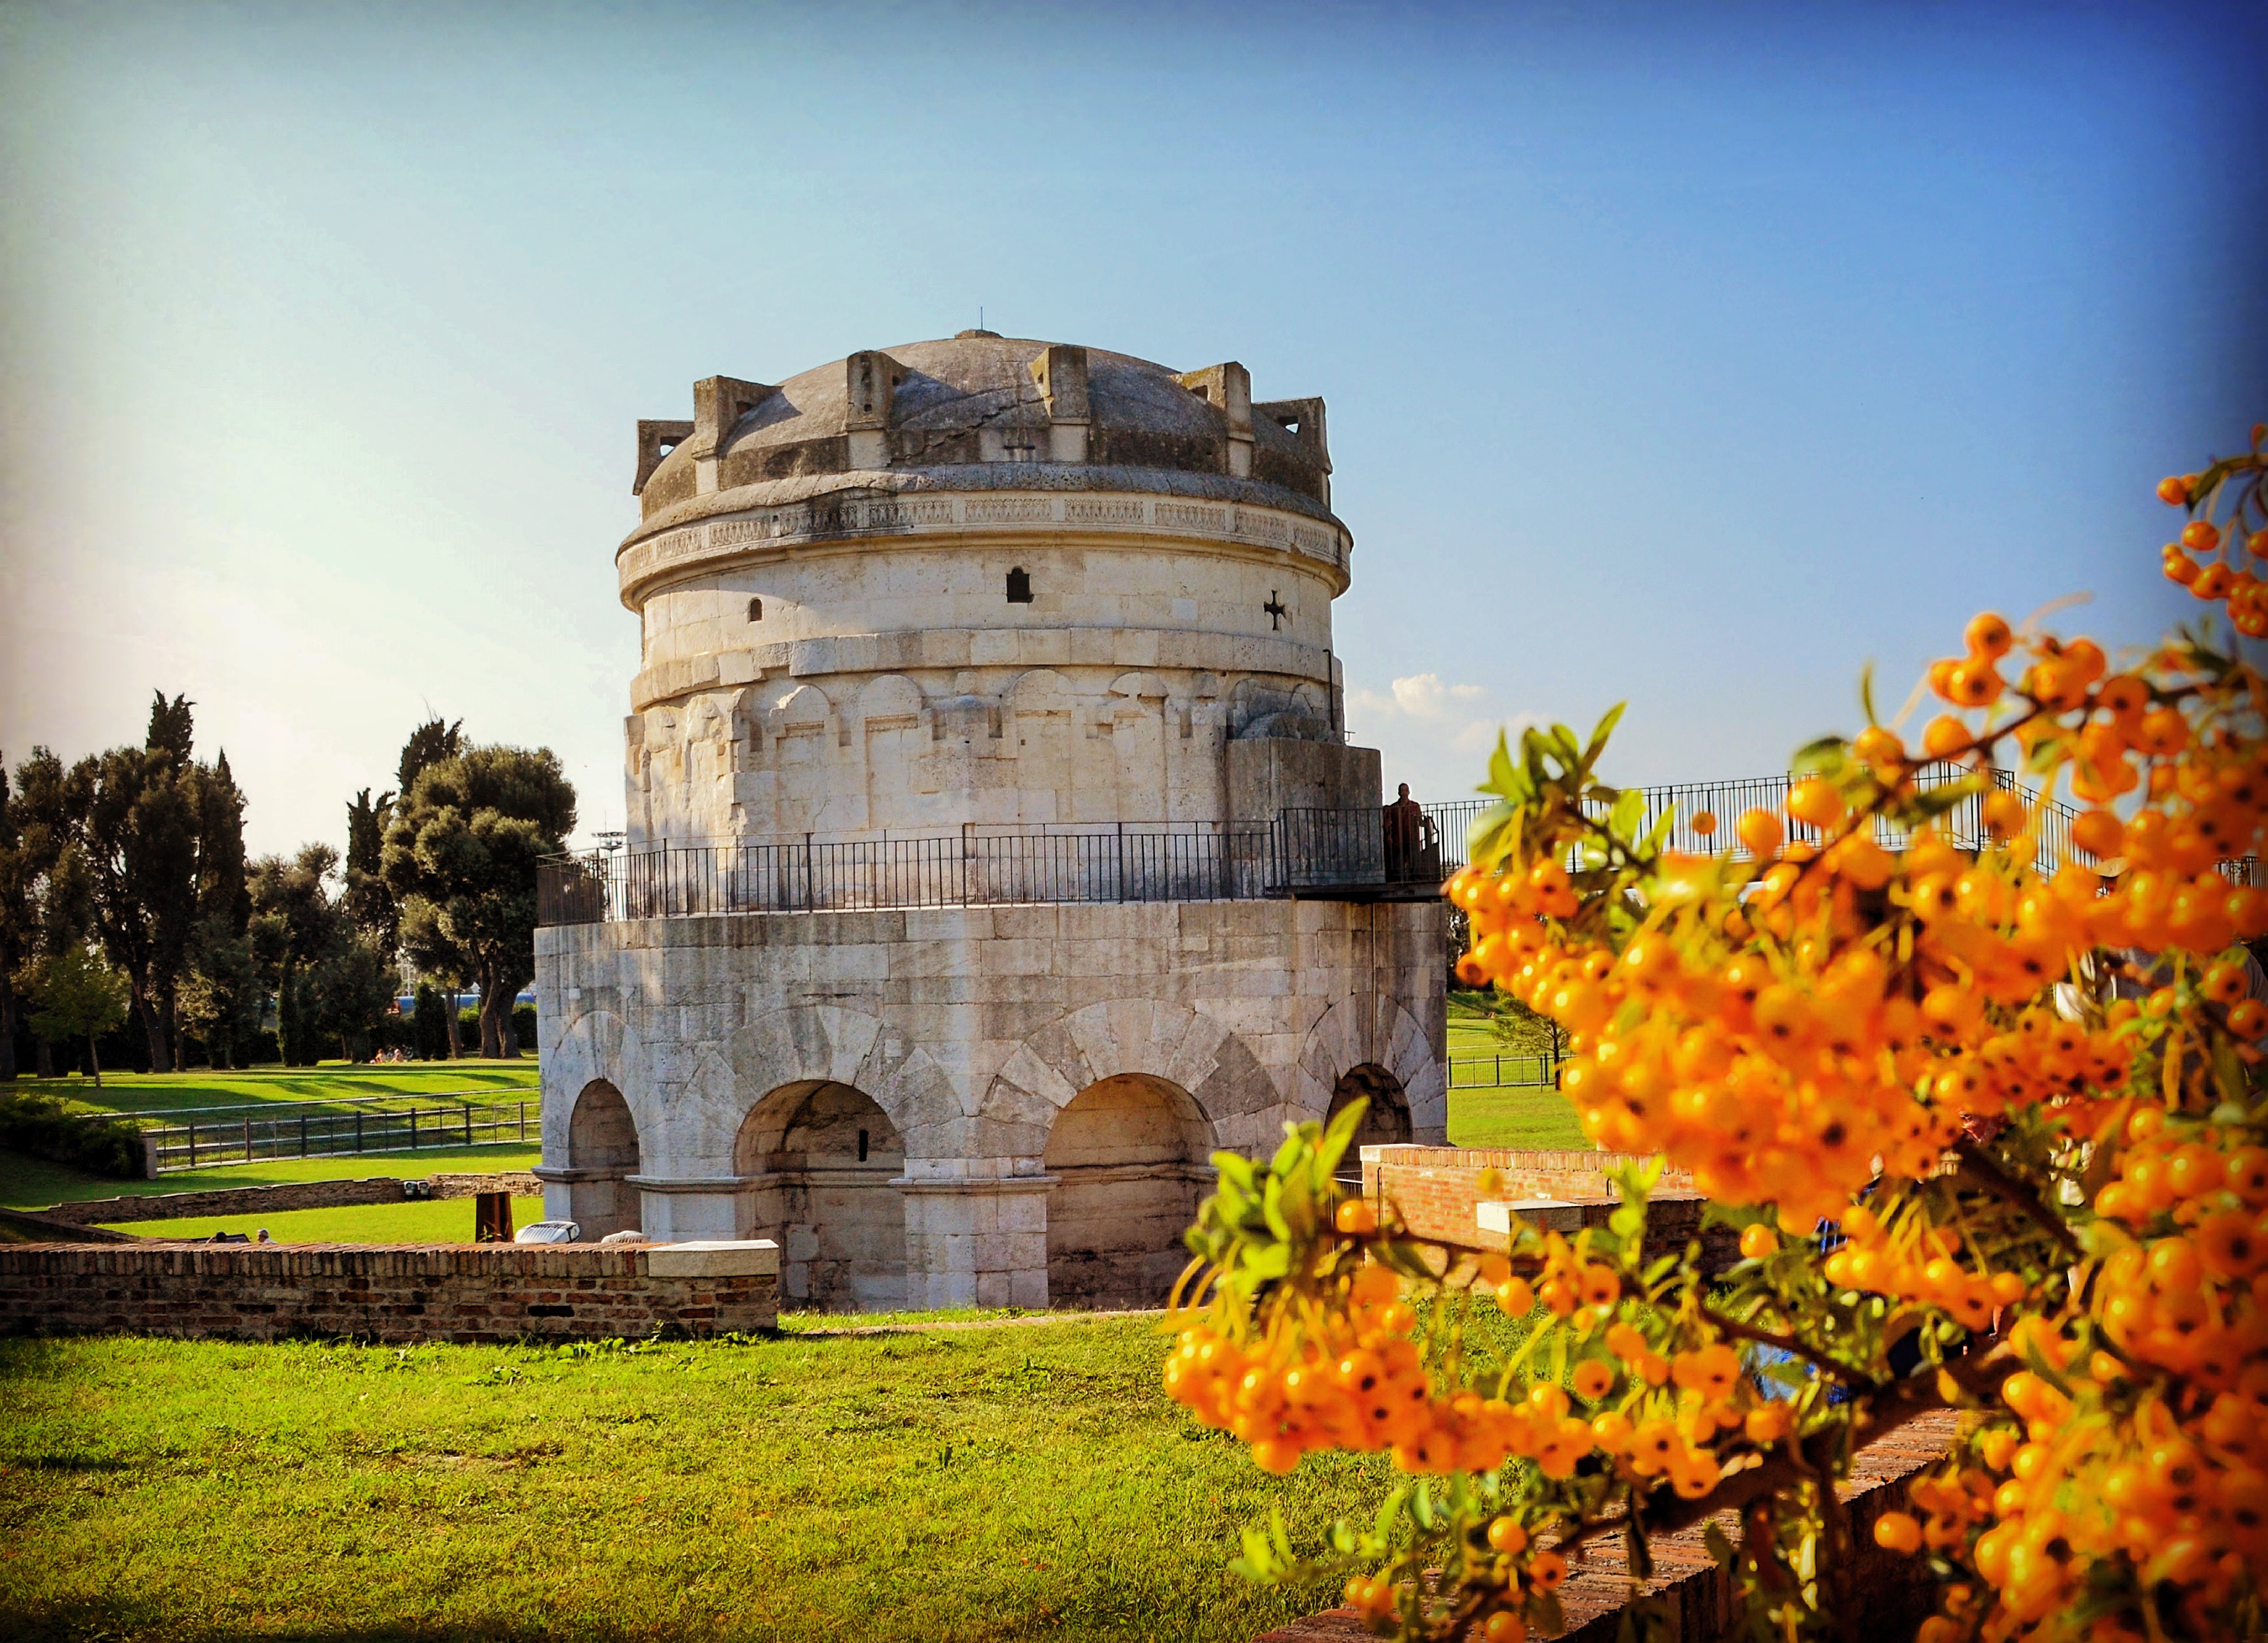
<point>413,1129</point>
<point>810,902</point>
<point>468,1124</point>
<point>247,1140</point>
<point>193,1143</point>
<point>303,1135</point>
<point>523,1121</point>
<point>1121,863</point>
<point>357,1131</point>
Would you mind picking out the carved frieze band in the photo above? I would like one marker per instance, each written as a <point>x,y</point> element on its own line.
<point>820,521</point>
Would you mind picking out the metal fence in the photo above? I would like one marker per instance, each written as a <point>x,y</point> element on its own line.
<point>1479,1072</point>
<point>1683,801</point>
<point>206,1141</point>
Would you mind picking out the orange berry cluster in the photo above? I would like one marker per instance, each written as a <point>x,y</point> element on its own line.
<point>2221,575</point>
<point>2189,1293</point>
<point>1923,1265</point>
<point>2181,1503</point>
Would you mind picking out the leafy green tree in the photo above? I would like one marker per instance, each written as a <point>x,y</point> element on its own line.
<point>460,855</point>
<point>430,743</point>
<point>294,926</point>
<point>161,839</point>
<point>352,988</point>
<point>79,995</point>
<point>221,995</point>
<point>433,1040</point>
<point>369,904</point>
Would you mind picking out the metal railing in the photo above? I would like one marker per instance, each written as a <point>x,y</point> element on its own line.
<point>1367,848</point>
<point>1361,853</point>
<point>203,1143</point>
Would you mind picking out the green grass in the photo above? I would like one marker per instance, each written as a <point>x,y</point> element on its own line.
<point>333,1080</point>
<point>33,1183</point>
<point>1536,1118</point>
<point>432,1221</point>
<point>994,1484</point>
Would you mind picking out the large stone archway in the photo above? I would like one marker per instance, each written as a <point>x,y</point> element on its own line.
<point>602,1153</point>
<point>817,1159</point>
<point>1196,1053</point>
<point>1128,1156</point>
<point>1371,1029</point>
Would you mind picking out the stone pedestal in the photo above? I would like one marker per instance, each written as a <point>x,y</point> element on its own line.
<point>976,1243</point>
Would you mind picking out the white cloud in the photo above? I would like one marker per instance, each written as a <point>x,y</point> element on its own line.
<point>1431,733</point>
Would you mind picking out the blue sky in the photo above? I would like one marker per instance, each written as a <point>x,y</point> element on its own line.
<point>1690,354</point>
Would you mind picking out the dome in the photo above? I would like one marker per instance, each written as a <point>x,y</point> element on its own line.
<point>980,411</point>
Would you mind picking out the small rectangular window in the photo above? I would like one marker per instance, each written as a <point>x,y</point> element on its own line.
<point>1019,586</point>
<point>862,1146</point>
<point>755,610</point>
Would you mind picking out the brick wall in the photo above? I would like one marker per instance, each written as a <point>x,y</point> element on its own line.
<point>291,1194</point>
<point>1893,1591</point>
<point>1436,1190</point>
<point>465,1293</point>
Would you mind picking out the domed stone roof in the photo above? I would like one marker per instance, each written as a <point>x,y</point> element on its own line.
<point>981,411</point>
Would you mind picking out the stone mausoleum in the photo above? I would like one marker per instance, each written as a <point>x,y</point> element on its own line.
<point>995,853</point>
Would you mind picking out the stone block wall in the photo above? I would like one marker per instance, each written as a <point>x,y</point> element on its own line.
<point>453,1292</point>
<point>706,1075</point>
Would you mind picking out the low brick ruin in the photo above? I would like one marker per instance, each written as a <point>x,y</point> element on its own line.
<point>460,1293</point>
<point>291,1195</point>
<point>1438,1194</point>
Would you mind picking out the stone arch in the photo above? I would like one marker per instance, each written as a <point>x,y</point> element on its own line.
<point>1385,1120</point>
<point>1128,1154</point>
<point>602,1152</point>
<point>817,1158</point>
<point>1373,1029</point>
<point>1152,1037</point>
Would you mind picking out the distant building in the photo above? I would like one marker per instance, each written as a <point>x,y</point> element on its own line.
<point>987,795</point>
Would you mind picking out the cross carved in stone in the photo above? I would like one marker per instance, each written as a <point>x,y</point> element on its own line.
<point>1276,610</point>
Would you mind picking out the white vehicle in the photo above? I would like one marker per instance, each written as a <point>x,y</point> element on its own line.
<point>549,1232</point>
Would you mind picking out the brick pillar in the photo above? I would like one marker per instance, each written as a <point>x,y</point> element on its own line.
<point>976,1242</point>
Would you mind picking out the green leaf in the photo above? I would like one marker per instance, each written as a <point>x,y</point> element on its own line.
<point>1867,693</point>
<point>1614,716</point>
<point>1273,1208</point>
<point>1336,1138</point>
<point>1823,757</point>
<point>1719,1543</point>
<point>1502,776</point>
<point>1630,810</point>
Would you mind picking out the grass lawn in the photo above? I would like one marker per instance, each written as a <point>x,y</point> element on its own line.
<point>1538,1118</point>
<point>989,1484</point>
<point>333,1080</point>
<point>436,1220</point>
<point>32,1182</point>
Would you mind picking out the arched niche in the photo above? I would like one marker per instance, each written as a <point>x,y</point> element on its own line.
<point>1131,1153</point>
<point>602,1149</point>
<point>822,1155</point>
<point>1386,1122</point>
